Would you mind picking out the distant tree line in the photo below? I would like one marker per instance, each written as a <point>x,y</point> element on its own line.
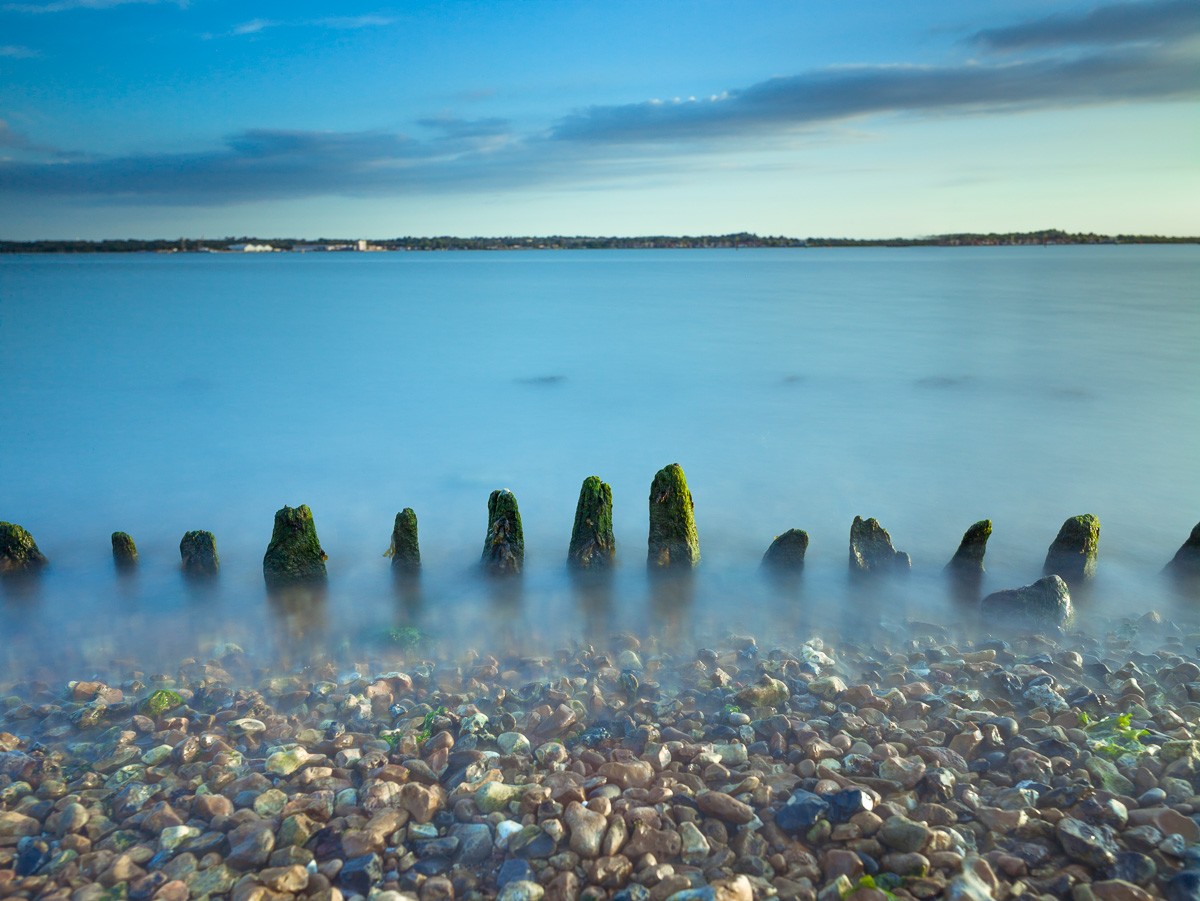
<point>580,242</point>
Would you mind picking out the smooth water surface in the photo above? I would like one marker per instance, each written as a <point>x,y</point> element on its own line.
<point>928,387</point>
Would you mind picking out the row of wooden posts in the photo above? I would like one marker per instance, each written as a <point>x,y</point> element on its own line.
<point>295,555</point>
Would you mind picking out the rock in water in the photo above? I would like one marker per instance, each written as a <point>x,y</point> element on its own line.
<point>125,554</point>
<point>1046,602</point>
<point>1186,562</point>
<point>504,546</point>
<point>968,559</point>
<point>1073,553</point>
<point>294,554</point>
<point>592,543</point>
<point>199,553</point>
<point>786,553</point>
<point>18,551</point>
<point>673,543</point>
<point>871,549</point>
<point>405,550</point>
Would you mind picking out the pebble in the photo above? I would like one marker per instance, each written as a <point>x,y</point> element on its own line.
<point>732,773</point>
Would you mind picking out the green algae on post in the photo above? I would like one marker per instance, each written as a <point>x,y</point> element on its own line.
<point>125,554</point>
<point>786,553</point>
<point>198,550</point>
<point>18,551</point>
<point>673,542</point>
<point>592,543</point>
<point>504,545</point>
<point>405,550</point>
<point>968,559</point>
<point>1073,553</point>
<point>871,549</point>
<point>294,554</point>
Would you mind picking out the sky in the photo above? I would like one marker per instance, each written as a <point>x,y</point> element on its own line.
<point>871,118</point>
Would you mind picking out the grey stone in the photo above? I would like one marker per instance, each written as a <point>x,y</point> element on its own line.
<point>1046,602</point>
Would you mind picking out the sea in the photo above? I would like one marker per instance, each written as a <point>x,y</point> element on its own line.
<point>928,387</point>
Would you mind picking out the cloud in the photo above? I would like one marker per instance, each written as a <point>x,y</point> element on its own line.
<point>15,51</point>
<point>354,22</point>
<point>254,26</point>
<point>842,93</point>
<point>1117,23</point>
<point>59,6</point>
<point>339,23</point>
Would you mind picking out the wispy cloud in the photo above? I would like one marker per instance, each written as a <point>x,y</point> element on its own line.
<point>1116,23</point>
<point>843,93</point>
<point>338,23</point>
<point>59,6</point>
<point>15,51</point>
<point>347,23</point>
<point>254,26</point>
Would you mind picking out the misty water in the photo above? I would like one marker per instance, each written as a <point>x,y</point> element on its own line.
<point>927,387</point>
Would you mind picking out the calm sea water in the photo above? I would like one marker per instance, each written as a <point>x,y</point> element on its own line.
<point>926,387</point>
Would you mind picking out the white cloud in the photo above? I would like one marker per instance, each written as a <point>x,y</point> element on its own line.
<point>59,6</point>
<point>15,51</point>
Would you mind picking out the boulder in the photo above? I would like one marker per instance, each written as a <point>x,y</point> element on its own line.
<point>1073,553</point>
<point>673,542</point>
<point>871,549</point>
<point>125,554</point>
<point>968,559</point>
<point>405,550</point>
<point>294,555</point>
<point>1046,602</point>
<point>786,553</point>
<point>18,551</point>
<point>592,543</point>
<point>1186,562</point>
<point>199,552</point>
<point>504,545</point>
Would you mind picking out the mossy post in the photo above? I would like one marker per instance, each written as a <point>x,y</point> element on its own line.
<point>405,550</point>
<point>593,546</point>
<point>125,554</point>
<point>199,553</point>
<point>504,545</point>
<point>294,555</point>
<point>1186,562</point>
<point>18,551</point>
<point>673,542</point>
<point>871,549</point>
<point>1073,553</point>
<point>786,553</point>
<point>967,561</point>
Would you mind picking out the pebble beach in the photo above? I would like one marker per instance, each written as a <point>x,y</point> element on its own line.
<point>925,761</point>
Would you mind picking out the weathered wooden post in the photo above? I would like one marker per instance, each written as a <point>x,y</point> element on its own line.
<point>294,555</point>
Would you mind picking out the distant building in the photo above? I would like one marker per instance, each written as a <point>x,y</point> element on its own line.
<point>252,248</point>
<point>362,243</point>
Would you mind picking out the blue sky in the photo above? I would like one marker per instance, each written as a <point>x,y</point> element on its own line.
<point>870,118</point>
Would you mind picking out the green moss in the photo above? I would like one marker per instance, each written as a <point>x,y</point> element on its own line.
<point>405,549</point>
<point>294,554</point>
<point>1074,551</point>
<point>592,543</point>
<point>18,551</point>
<point>125,553</point>
<point>199,553</point>
<point>673,542</point>
<point>160,702</point>
<point>504,544</point>
<point>969,556</point>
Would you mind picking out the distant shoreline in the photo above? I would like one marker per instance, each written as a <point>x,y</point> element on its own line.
<point>747,240</point>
